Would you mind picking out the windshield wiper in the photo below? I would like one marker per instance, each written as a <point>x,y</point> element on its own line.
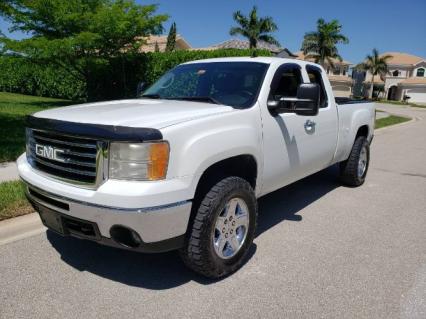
<point>208,99</point>
<point>151,96</point>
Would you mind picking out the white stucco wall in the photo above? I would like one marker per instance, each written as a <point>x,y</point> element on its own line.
<point>392,81</point>
<point>403,72</point>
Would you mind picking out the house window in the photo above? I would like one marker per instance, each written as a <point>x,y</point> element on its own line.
<point>395,73</point>
<point>420,72</point>
<point>336,71</point>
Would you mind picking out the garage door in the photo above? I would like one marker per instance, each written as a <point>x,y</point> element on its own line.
<point>417,95</point>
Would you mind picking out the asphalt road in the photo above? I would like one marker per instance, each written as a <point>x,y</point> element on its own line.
<point>322,251</point>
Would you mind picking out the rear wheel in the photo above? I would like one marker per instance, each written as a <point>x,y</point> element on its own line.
<point>223,229</point>
<point>354,170</point>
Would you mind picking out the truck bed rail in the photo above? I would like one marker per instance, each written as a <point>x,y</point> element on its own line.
<point>347,100</point>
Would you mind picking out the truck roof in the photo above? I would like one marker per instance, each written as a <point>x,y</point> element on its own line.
<point>267,60</point>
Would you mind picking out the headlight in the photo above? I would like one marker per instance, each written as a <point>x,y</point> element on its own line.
<point>138,161</point>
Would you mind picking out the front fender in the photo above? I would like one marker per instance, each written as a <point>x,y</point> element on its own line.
<point>196,145</point>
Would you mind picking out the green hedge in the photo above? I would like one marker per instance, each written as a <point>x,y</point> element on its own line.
<point>118,78</point>
<point>19,75</point>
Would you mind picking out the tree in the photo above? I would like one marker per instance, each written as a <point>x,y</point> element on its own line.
<point>321,44</point>
<point>376,64</point>
<point>253,28</point>
<point>5,6</point>
<point>171,38</point>
<point>80,36</point>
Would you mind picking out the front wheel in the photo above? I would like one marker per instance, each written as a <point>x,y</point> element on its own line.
<point>354,170</point>
<point>223,229</point>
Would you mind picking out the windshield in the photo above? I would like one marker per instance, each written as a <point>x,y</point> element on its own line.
<point>235,84</point>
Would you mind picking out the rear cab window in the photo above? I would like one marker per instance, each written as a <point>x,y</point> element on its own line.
<point>315,76</point>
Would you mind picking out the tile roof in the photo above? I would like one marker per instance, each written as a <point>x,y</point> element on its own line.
<point>399,58</point>
<point>244,44</point>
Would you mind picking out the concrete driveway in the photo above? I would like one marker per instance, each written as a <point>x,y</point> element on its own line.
<point>322,251</point>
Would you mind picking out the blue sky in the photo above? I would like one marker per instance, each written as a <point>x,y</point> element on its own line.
<point>388,25</point>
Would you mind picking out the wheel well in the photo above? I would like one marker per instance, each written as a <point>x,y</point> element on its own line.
<point>362,131</point>
<point>244,166</point>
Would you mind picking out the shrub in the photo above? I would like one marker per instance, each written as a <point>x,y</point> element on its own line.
<point>19,75</point>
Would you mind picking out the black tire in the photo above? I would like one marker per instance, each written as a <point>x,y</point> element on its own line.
<point>349,169</point>
<point>199,253</point>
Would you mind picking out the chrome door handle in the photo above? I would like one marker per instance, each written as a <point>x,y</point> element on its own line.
<point>310,125</point>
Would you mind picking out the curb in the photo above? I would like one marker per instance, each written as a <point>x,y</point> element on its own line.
<point>20,227</point>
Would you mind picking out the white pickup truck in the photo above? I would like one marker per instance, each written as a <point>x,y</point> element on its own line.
<point>182,166</point>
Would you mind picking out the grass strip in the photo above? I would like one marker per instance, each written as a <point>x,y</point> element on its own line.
<point>390,120</point>
<point>12,200</point>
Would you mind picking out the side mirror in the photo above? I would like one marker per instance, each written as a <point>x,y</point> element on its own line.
<point>308,99</point>
<point>305,103</point>
<point>140,88</point>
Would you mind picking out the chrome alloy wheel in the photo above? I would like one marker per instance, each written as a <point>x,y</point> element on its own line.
<point>231,228</point>
<point>362,162</point>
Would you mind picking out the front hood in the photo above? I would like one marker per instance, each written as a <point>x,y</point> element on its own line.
<point>135,113</point>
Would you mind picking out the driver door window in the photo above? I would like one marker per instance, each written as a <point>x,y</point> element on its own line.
<point>285,84</point>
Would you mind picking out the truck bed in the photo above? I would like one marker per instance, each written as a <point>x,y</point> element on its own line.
<point>351,114</point>
<point>347,100</point>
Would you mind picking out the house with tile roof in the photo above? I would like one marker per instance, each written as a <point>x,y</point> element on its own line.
<point>161,41</point>
<point>244,44</point>
<point>338,74</point>
<point>406,79</point>
<point>182,44</point>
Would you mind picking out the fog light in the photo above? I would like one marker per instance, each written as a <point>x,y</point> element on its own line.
<point>125,236</point>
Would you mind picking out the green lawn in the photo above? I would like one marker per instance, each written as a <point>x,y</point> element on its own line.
<point>390,120</point>
<point>13,108</point>
<point>12,200</point>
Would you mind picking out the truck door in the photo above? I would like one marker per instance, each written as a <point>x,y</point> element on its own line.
<point>325,123</point>
<point>294,145</point>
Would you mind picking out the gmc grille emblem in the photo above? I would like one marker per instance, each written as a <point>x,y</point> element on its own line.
<point>49,152</point>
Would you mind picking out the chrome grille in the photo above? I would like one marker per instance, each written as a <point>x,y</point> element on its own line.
<point>74,159</point>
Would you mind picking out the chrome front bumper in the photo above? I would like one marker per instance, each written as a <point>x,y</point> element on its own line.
<point>161,228</point>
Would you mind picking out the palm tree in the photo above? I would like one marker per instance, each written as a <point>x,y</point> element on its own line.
<point>255,29</point>
<point>321,44</point>
<point>376,64</point>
